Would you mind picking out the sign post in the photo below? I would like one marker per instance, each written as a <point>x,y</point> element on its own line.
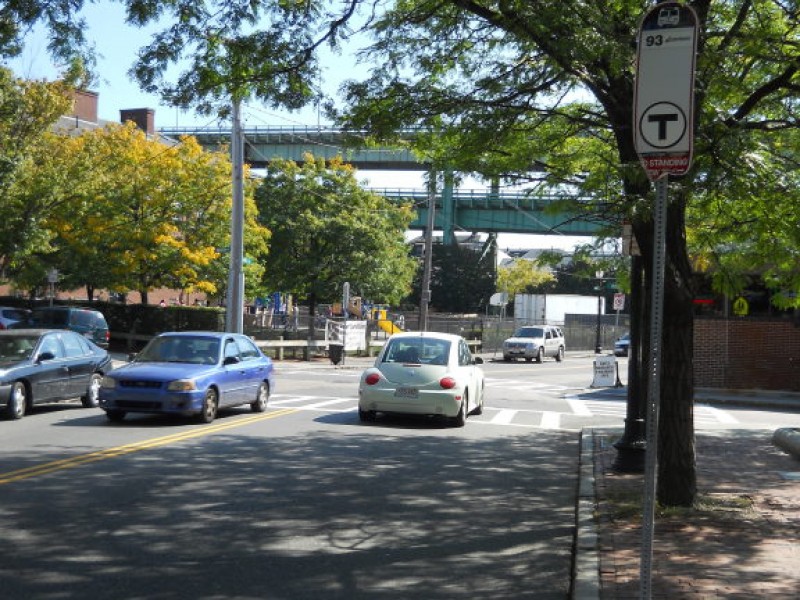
<point>663,135</point>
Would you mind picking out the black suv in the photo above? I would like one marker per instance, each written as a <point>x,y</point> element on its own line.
<point>89,323</point>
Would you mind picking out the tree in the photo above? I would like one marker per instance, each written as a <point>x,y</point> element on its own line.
<point>162,210</point>
<point>327,230</point>
<point>523,276</point>
<point>27,110</point>
<point>462,278</point>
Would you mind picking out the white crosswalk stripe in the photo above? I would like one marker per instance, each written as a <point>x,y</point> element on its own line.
<point>539,419</point>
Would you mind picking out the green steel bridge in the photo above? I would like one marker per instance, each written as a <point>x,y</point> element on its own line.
<point>489,211</point>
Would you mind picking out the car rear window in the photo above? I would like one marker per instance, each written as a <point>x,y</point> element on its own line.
<point>418,350</point>
<point>82,318</point>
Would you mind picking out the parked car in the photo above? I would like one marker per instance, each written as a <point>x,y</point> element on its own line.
<point>10,315</point>
<point>39,366</point>
<point>535,342</point>
<point>88,322</point>
<point>622,345</point>
<point>425,374</point>
<point>191,374</point>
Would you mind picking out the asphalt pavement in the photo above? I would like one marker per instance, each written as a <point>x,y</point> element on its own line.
<point>747,550</point>
<point>750,551</point>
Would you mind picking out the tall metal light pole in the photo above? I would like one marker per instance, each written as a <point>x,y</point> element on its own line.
<point>598,348</point>
<point>425,294</point>
<point>235,300</point>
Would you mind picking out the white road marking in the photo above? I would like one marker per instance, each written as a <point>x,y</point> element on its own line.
<point>610,408</point>
<point>504,416</point>
<point>578,406</point>
<point>550,420</point>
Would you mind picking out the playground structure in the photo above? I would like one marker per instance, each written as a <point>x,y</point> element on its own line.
<point>377,313</point>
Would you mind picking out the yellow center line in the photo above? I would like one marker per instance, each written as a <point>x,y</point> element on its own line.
<point>108,453</point>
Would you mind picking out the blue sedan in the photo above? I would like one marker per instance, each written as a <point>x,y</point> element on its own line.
<point>189,373</point>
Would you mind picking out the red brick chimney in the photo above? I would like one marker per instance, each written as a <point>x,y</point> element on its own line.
<point>144,118</point>
<point>84,106</point>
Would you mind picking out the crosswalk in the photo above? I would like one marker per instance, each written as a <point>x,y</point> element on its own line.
<point>581,411</point>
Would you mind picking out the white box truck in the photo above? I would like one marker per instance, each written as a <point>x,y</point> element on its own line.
<point>551,308</point>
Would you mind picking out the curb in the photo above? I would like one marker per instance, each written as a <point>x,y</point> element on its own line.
<point>788,440</point>
<point>586,572</point>
<point>762,398</point>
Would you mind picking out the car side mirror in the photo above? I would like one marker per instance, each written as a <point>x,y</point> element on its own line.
<point>132,355</point>
<point>477,360</point>
<point>45,356</point>
<point>230,360</point>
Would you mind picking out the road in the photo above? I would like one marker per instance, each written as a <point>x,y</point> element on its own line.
<point>304,501</point>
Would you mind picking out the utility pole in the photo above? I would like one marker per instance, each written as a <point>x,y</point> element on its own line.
<point>425,294</point>
<point>234,311</point>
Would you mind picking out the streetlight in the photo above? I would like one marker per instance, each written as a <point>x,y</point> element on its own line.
<point>597,347</point>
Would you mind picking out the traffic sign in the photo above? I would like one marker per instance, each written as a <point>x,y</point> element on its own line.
<point>619,301</point>
<point>664,100</point>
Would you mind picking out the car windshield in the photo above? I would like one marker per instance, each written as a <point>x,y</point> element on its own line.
<point>529,332</point>
<point>181,349</point>
<point>417,351</point>
<point>17,347</point>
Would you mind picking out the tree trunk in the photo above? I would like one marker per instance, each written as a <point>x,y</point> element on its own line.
<point>677,479</point>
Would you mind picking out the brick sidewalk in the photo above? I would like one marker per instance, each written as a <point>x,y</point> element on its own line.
<point>742,542</point>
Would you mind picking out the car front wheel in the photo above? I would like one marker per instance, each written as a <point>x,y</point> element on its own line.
<point>209,412</point>
<point>115,416</point>
<point>262,397</point>
<point>540,355</point>
<point>17,401</point>
<point>92,397</point>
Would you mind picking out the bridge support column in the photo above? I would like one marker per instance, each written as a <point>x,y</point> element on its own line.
<point>448,208</point>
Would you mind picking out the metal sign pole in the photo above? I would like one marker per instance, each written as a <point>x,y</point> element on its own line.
<point>654,387</point>
<point>664,139</point>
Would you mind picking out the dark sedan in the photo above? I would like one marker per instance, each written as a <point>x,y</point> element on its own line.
<point>39,366</point>
<point>189,373</point>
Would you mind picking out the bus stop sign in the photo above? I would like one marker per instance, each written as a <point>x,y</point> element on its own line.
<point>664,93</point>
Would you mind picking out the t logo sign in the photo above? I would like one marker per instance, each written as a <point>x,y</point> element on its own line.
<point>665,89</point>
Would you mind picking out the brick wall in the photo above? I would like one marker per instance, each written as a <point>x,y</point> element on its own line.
<point>747,354</point>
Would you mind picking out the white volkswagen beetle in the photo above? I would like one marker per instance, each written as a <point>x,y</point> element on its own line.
<point>423,373</point>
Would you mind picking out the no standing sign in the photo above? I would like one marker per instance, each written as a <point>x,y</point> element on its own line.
<point>664,101</point>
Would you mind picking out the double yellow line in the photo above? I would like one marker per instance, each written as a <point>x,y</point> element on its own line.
<point>83,459</point>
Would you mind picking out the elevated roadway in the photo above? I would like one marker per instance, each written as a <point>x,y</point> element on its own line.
<point>456,210</point>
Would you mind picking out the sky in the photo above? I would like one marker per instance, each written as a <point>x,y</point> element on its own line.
<point>117,45</point>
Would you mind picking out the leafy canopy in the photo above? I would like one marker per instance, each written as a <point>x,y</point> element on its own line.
<point>326,230</point>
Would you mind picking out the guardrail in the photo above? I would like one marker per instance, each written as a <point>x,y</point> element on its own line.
<point>277,348</point>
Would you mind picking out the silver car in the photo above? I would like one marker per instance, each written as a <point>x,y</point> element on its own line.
<point>535,342</point>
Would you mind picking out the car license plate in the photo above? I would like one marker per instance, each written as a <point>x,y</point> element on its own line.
<point>406,392</point>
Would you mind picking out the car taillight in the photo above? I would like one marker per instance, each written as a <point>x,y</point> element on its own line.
<point>372,379</point>
<point>447,383</point>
